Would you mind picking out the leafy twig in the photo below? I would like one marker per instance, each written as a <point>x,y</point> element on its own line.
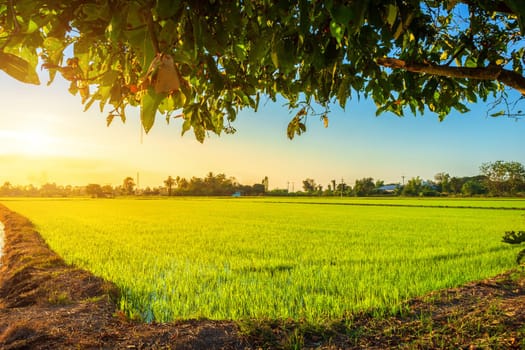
<point>15,24</point>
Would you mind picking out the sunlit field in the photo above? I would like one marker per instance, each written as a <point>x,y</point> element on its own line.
<point>300,258</point>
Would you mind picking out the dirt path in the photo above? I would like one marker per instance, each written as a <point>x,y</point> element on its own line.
<point>45,304</point>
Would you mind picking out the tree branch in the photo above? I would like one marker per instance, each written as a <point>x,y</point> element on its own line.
<point>153,36</point>
<point>504,76</point>
<point>492,6</point>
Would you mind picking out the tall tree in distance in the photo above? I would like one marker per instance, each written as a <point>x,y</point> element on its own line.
<point>413,187</point>
<point>128,185</point>
<point>94,190</point>
<point>364,187</point>
<point>443,181</point>
<point>204,61</point>
<point>309,185</point>
<point>169,182</point>
<point>265,183</point>
<point>504,178</point>
<point>6,189</point>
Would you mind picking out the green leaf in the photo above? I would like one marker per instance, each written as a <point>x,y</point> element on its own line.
<point>186,126</point>
<point>109,78</point>
<point>115,96</point>
<point>148,108</point>
<point>74,92</point>
<point>179,99</point>
<point>258,50</point>
<point>103,94</point>
<point>18,68</point>
<point>283,55</point>
<point>53,44</point>
<point>73,89</point>
<point>290,130</point>
<point>109,119</point>
<point>471,62</point>
<point>167,104</point>
<point>31,27</point>
<point>190,115</point>
<point>232,114</point>
<point>325,120</point>
<point>240,51</point>
<point>199,132</point>
<point>296,126</point>
<point>498,114</point>
<point>341,14</point>
<point>54,48</point>
<point>275,57</point>
<point>391,14</point>
<point>81,50</point>
<point>137,37</point>
<point>257,100</point>
<point>217,118</point>
<point>115,27</point>
<point>343,91</point>
<point>337,30</point>
<point>244,99</point>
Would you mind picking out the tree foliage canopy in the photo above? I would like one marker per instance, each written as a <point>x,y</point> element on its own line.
<point>203,61</point>
<point>504,178</point>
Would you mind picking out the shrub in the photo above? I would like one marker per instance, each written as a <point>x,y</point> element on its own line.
<point>512,237</point>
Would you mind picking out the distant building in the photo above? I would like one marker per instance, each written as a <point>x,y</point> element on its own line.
<point>389,189</point>
<point>431,185</point>
<point>237,194</point>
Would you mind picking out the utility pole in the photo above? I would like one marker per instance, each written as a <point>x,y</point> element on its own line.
<point>403,177</point>
<point>342,186</point>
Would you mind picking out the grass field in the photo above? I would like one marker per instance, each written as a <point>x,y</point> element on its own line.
<point>304,258</point>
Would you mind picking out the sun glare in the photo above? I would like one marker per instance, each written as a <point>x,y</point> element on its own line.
<point>28,142</point>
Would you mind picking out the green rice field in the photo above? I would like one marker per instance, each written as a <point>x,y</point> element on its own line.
<point>310,259</point>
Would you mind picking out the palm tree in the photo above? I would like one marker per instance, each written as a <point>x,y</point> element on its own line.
<point>169,182</point>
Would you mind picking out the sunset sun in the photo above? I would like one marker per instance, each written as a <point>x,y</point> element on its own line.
<point>30,142</point>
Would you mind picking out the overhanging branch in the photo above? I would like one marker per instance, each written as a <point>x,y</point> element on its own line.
<point>504,76</point>
<point>492,6</point>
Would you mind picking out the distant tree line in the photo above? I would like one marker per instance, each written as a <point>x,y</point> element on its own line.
<point>46,190</point>
<point>498,178</point>
<point>210,185</point>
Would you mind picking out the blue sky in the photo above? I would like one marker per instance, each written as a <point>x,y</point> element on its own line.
<point>46,137</point>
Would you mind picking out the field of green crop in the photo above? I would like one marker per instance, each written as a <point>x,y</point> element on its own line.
<point>311,259</point>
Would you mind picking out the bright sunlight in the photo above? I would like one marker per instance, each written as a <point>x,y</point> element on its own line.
<point>29,142</point>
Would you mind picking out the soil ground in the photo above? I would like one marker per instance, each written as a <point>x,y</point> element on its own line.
<point>46,304</point>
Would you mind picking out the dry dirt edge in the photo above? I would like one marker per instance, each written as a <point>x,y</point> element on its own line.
<point>46,304</point>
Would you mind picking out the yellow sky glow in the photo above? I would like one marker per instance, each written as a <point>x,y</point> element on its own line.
<point>29,142</point>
